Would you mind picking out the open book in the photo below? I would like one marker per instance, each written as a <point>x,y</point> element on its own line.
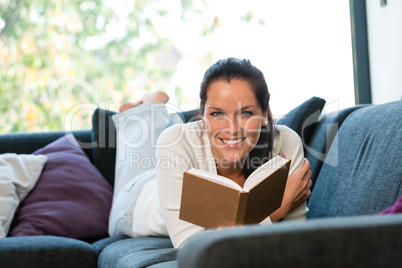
<point>213,201</point>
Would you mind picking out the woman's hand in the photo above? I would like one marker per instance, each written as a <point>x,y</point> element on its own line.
<point>297,191</point>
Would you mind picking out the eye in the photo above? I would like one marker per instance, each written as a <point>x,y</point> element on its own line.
<point>216,114</point>
<point>246,113</point>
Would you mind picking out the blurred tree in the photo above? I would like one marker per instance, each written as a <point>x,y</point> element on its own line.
<point>57,54</point>
<point>58,57</point>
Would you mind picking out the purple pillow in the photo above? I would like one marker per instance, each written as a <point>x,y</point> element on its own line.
<point>395,208</point>
<point>71,198</point>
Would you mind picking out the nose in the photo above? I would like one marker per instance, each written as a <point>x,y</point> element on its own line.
<point>233,124</point>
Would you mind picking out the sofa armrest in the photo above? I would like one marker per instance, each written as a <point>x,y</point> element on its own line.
<point>362,241</point>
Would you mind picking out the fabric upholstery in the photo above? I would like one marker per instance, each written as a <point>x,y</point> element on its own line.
<point>138,252</point>
<point>168,264</point>
<point>104,139</point>
<point>71,198</point>
<point>46,252</point>
<point>359,175</point>
<point>362,241</point>
<point>303,118</point>
<point>18,175</point>
<point>104,242</point>
<point>322,136</point>
<point>395,208</point>
<point>27,143</point>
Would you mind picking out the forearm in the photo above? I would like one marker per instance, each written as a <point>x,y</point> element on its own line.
<point>280,213</point>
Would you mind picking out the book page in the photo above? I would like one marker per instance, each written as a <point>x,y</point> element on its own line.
<point>215,178</point>
<point>264,171</point>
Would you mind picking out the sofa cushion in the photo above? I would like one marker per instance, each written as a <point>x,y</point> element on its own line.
<point>362,172</point>
<point>18,175</point>
<point>321,138</point>
<point>139,252</point>
<point>99,245</point>
<point>302,119</point>
<point>46,251</point>
<point>395,208</point>
<point>364,241</point>
<point>71,198</point>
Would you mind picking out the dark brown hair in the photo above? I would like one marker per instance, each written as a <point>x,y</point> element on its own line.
<point>231,68</point>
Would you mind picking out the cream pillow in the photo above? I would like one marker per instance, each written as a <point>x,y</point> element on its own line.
<point>18,176</point>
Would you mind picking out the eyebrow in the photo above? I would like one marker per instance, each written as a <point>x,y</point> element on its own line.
<point>242,108</point>
<point>214,108</point>
<point>248,107</point>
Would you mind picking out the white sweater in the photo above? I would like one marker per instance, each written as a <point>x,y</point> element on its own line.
<point>180,148</point>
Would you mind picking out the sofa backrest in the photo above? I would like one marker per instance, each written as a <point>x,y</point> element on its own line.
<point>362,172</point>
<point>27,143</point>
<point>322,136</point>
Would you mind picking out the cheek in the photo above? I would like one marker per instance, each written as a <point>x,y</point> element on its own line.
<point>214,126</point>
<point>252,125</point>
<point>253,129</point>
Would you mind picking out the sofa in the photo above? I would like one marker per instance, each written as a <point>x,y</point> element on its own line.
<point>353,220</point>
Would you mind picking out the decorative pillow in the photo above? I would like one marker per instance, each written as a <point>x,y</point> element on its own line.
<point>302,119</point>
<point>395,208</point>
<point>71,198</point>
<point>18,175</point>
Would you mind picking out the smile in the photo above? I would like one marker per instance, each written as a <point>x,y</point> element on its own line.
<point>232,141</point>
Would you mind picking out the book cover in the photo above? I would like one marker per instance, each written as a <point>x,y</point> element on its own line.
<point>212,201</point>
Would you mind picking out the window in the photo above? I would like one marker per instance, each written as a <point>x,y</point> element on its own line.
<point>61,59</point>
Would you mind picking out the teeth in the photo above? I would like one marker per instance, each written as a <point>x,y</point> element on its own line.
<point>232,142</point>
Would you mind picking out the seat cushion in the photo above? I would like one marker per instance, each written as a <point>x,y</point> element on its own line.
<point>46,251</point>
<point>138,252</point>
<point>362,172</point>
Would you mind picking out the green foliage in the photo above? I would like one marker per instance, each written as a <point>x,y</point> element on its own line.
<point>56,54</point>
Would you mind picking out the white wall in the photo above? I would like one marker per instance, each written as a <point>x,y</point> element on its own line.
<point>385,50</point>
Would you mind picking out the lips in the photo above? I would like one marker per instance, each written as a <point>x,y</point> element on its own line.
<point>232,142</point>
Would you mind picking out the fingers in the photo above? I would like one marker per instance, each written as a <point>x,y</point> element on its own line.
<point>309,186</point>
<point>308,195</point>
<point>308,175</point>
<point>306,166</point>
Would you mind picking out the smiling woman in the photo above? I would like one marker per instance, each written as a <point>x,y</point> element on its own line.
<point>235,136</point>
<point>234,126</point>
<point>244,90</point>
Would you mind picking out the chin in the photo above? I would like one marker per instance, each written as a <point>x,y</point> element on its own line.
<point>232,158</point>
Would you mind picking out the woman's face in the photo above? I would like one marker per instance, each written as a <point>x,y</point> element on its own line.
<point>233,119</point>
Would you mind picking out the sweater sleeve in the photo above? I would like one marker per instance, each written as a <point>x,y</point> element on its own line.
<point>292,147</point>
<point>174,157</point>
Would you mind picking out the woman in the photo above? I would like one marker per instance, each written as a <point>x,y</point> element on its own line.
<point>235,136</point>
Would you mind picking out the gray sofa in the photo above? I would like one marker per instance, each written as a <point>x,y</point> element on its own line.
<point>356,160</point>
